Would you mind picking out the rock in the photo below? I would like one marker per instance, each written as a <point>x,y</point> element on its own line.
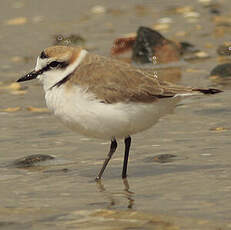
<point>151,43</point>
<point>163,158</point>
<point>187,47</point>
<point>147,44</point>
<point>122,45</point>
<point>223,70</point>
<point>215,11</point>
<point>32,160</point>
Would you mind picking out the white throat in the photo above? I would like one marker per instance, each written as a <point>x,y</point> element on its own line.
<point>52,77</point>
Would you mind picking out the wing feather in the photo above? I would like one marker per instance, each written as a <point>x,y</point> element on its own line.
<point>112,81</point>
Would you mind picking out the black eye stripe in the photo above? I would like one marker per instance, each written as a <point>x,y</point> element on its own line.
<point>63,64</point>
<point>57,64</point>
<point>54,64</point>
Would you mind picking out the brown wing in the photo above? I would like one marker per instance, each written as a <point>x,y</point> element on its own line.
<point>113,81</point>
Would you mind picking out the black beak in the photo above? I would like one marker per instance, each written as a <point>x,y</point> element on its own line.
<point>30,76</point>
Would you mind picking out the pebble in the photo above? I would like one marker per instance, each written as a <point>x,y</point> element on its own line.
<point>165,20</point>
<point>202,54</point>
<point>184,9</point>
<point>32,160</point>
<point>163,158</point>
<point>150,43</point>
<point>98,9</point>
<point>223,70</point>
<point>191,14</point>
<point>204,1</point>
<point>16,21</point>
<point>219,129</point>
<point>197,55</point>
<point>161,26</point>
<point>10,109</point>
<point>37,110</point>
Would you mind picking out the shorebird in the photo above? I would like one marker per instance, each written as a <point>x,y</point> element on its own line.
<point>102,97</point>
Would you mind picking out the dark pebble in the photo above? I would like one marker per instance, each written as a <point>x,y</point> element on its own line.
<point>187,47</point>
<point>150,43</point>
<point>161,158</point>
<point>31,160</point>
<point>149,46</point>
<point>223,70</point>
<point>215,11</point>
<point>164,158</point>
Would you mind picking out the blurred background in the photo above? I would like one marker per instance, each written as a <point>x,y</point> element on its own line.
<point>179,170</point>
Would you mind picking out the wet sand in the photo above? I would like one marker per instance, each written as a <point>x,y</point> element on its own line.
<point>193,191</point>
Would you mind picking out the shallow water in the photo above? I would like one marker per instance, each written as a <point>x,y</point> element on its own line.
<point>193,191</point>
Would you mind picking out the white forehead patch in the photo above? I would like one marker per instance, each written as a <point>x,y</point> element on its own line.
<point>40,63</point>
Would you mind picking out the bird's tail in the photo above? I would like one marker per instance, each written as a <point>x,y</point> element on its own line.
<point>208,91</point>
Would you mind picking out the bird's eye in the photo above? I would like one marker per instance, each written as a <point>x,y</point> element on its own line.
<point>54,64</point>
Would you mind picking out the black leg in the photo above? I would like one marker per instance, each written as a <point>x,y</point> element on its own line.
<point>127,142</point>
<point>112,150</point>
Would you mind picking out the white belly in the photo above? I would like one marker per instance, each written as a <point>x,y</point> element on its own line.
<point>85,114</point>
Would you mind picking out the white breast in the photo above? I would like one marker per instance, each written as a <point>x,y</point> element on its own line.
<point>83,113</point>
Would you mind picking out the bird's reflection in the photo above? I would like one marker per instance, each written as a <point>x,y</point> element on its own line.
<point>111,195</point>
<point>128,193</point>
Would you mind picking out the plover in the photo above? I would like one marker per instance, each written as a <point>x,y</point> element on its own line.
<point>103,98</point>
